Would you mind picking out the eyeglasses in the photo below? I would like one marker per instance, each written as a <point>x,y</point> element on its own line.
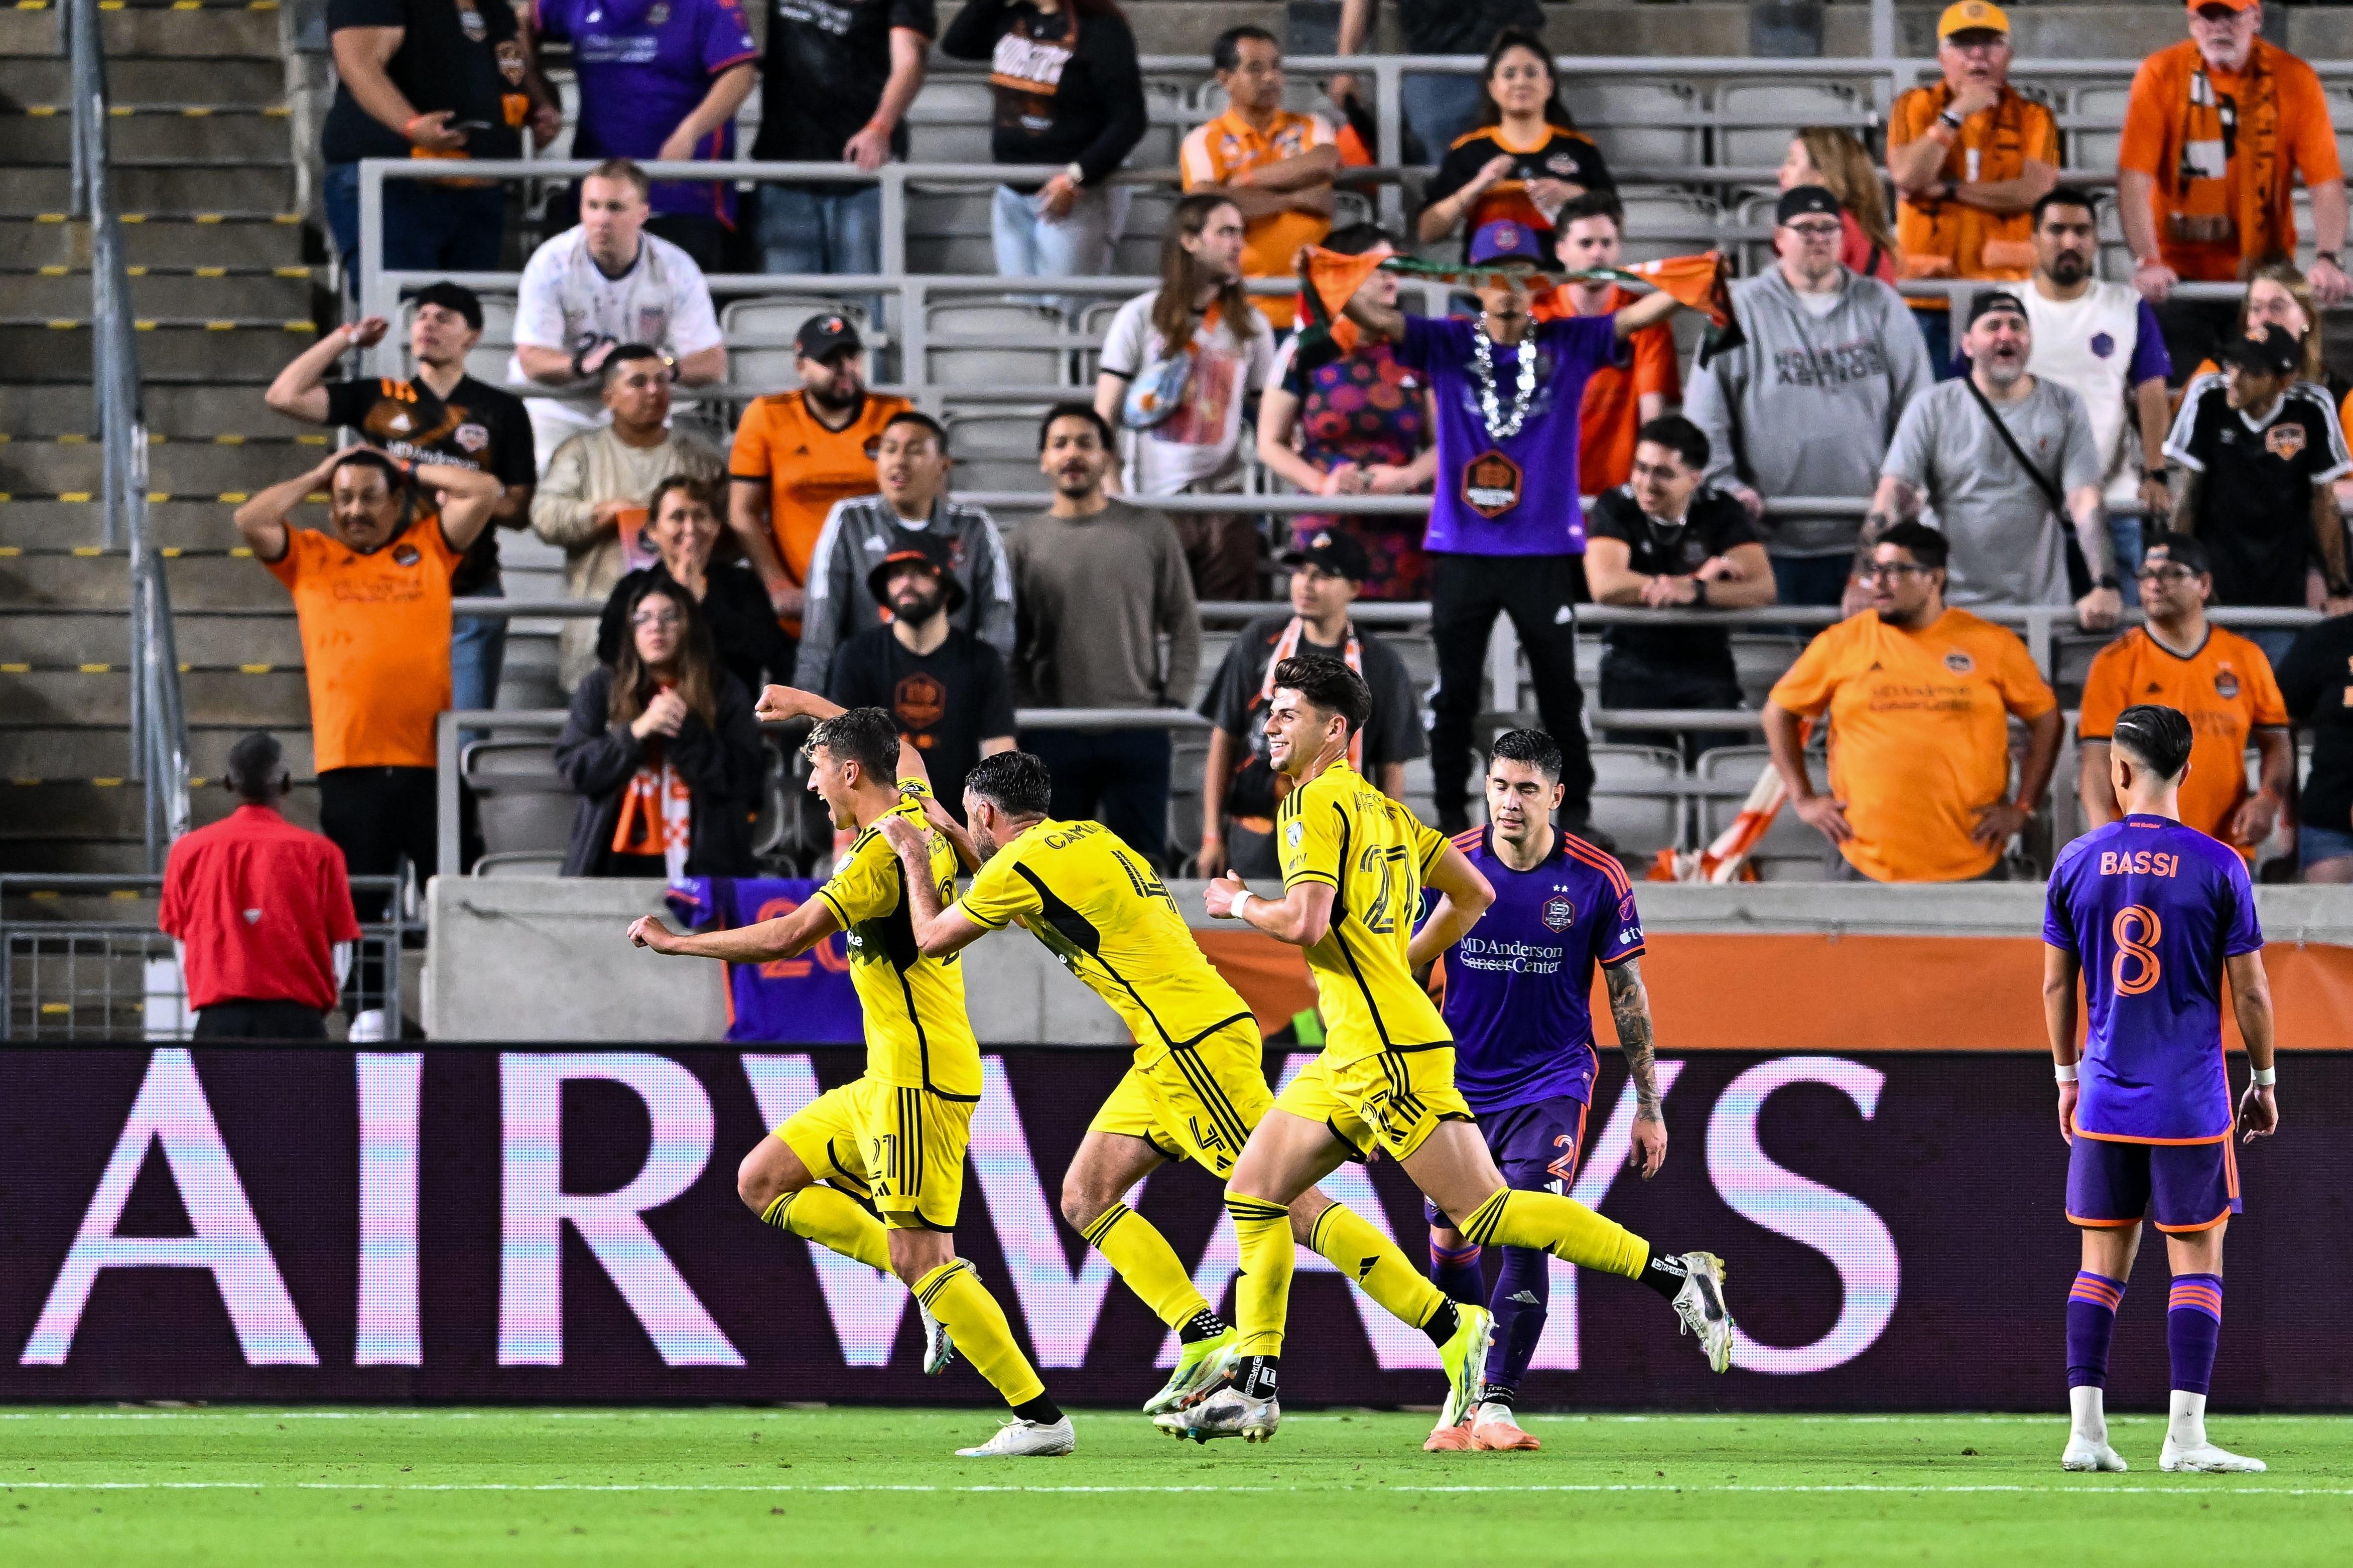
<point>2163,574</point>
<point>1889,571</point>
<point>668,620</point>
<point>1814,230</point>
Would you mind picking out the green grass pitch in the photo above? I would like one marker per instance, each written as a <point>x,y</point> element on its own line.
<point>90,1486</point>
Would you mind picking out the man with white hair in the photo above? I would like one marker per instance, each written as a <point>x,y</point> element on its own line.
<point>1999,454</point>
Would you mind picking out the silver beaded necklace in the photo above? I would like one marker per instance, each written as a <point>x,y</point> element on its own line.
<point>1501,426</point>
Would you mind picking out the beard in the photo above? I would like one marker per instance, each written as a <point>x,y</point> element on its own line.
<point>842,391</point>
<point>2069,268</point>
<point>917,608</point>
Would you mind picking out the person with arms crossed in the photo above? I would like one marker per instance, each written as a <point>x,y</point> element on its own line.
<point>896,1137</point>
<point>1355,863</point>
<point>2221,680</point>
<point>2151,915</point>
<point>1198,1085</point>
<point>1274,165</point>
<point>1505,528</point>
<point>372,598</point>
<point>1517,990</point>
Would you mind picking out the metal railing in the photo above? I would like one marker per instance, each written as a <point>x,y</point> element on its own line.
<point>86,977</point>
<point>159,726</point>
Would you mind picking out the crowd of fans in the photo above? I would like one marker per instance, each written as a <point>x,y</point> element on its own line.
<point>2024,462</point>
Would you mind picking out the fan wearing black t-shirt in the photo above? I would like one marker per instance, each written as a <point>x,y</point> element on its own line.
<point>835,83</point>
<point>946,688</point>
<point>1664,541</point>
<point>2316,680</point>
<point>2262,449</point>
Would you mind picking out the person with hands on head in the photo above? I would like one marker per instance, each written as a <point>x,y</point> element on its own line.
<point>2152,917</point>
<point>372,599</point>
<point>1919,698</point>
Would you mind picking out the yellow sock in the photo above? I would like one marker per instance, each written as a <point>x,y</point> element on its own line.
<point>1561,1226</point>
<point>1136,1247</point>
<point>833,1221</point>
<point>1353,1245</point>
<point>976,1323</point>
<point>1262,1287</point>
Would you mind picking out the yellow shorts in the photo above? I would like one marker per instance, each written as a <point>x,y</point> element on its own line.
<point>1195,1103</point>
<point>898,1146</point>
<point>1396,1099</point>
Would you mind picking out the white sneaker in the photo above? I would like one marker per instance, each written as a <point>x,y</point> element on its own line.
<point>1700,1304</point>
<point>1228,1413</point>
<point>367,1028</point>
<point>2091,1453</point>
<point>1019,1439</point>
<point>2176,1457</point>
<point>1200,1367</point>
<point>939,1351</point>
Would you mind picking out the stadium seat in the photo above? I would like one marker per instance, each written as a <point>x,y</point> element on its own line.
<point>526,807</point>
<point>1789,843</point>
<point>1632,802</point>
<point>760,333</point>
<point>2094,125</point>
<point>1663,223</point>
<point>997,450</point>
<point>948,229</point>
<point>949,123</point>
<point>1755,119</point>
<point>1002,368</point>
<point>1641,123</point>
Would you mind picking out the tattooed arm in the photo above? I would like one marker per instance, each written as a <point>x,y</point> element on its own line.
<point>1629,1006</point>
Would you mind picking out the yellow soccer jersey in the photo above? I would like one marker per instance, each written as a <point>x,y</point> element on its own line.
<point>1097,906</point>
<point>1339,830</point>
<point>917,1032</point>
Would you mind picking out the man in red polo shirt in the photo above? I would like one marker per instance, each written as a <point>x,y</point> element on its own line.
<point>261,911</point>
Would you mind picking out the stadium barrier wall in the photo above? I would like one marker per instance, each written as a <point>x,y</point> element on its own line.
<point>467,1224</point>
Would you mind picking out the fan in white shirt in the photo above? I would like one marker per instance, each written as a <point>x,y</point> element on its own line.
<point>605,284</point>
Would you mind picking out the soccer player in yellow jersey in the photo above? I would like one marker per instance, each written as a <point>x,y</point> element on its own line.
<point>896,1136</point>
<point>1198,1082</point>
<point>1354,865</point>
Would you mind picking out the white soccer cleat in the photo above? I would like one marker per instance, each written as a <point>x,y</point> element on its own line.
<point>1019,1439</point>
<point>1200,1367</point>
<point>1228,1413</point>
<point>1700,1304</point>
<point>939,1351</point>
<point>2091,1453</point>
<point>2204,1459</point>
<point>367,1028</point>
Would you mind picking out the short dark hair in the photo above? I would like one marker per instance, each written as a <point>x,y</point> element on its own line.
<point>1226,54</point>
<point>627,353</point>
<point>2063,196</point>
<point>2156,735</point>
<point>1589,203</point>
<point>1085,411</point>
<point>1330,685</point>
<point>256,768</point>
<point>866,736</point>
<point>455,297</point>
<point>1533,747</point>
<point>1016,783</point>
<point>917,416</point>
<point>1677,434</point>
<point>696,489</point>
<point>1928,547</point>
<point>369,458</point>
<point>1356,238</point>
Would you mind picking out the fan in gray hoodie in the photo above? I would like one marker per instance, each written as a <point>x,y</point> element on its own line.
<point>1808,404</point>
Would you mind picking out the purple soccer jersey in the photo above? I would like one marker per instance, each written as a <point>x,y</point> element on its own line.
<point>644,65</point>
<point>809,1000</point>
<point>1514,496</point>
<point>1518,987</point>
<point>2151,908</point>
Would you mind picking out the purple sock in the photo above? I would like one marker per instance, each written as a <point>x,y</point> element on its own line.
<point>1521,1292</point>
<point>2193,1327</point>
<point>1458,1273</point>
<point>2091,1322</point>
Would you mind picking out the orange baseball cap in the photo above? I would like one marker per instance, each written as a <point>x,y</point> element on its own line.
<point>1973,16</point>
<point>2233,5</point>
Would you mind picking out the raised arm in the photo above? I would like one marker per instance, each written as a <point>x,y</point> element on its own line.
<point>261,521</point>
<point>300,391</point>
<point>1629,1008</point>
<point>1464,894</point>
<point>469,496</point>
<point>786,936</point>
<point>1385,321</point>
<point>1647,312</point>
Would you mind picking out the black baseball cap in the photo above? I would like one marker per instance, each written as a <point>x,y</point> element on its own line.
<point>1798,201</point>
<point>2180,549</point>
<point>929,552</point>
<point>1333,552</point>
<point>1993,299</point>
<point>821,336</point>
<point>453,296</point>
<point>2275,350</point>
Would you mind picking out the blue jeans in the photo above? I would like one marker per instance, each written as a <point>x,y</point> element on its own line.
<point>1937,332</point>
<point>2273,640</point>
<point>815,232</point>
<point>1076,245</point>
<point>1437,109</point>
<point>1811,579</point>
<point>477,652</point>
<point>2315,844</point>
<point>2125,536</point>
<point>427,228</point>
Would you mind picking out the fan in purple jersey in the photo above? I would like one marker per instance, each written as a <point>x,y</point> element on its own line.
<point>1524,1054</point>
<point>2152,915</point>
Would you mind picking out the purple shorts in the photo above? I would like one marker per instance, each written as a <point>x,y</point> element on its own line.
<point>1537,1146</point>
<point>2181,1187</point>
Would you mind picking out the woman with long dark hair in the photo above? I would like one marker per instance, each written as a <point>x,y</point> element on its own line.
<point>1176,364</point>
<point>1525,160</point>
<point>685,525</point>
<point>663,750</point>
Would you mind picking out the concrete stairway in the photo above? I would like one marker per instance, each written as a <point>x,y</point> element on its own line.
<point>206,179</point>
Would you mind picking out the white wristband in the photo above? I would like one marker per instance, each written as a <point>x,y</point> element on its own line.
<point>2063,1071</point>
<point>2264,1078</point>
<point>1241,902</point>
